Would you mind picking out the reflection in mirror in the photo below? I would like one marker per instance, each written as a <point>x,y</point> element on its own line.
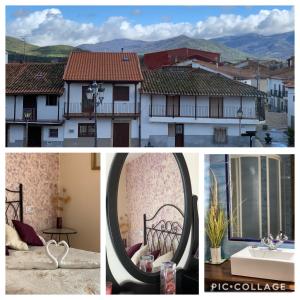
<point>150,208</point>
<point>261,199</point>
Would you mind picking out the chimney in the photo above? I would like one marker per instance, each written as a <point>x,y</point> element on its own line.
<point>122,50</point>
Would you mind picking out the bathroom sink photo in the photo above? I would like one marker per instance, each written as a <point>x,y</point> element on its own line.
<point>261,262</point>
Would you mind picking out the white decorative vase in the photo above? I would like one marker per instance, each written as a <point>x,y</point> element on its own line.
<point>215,254</point>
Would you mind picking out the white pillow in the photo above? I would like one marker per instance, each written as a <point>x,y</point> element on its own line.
<point>13,240</point>
<point>137,255</point>
<point>161,259</point>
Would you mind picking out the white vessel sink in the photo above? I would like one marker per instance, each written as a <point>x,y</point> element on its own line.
<point>264,263</point>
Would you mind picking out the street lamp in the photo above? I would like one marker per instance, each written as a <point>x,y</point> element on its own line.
<point>27,116</point>
<point>239,114</point>
<point>95,92</point>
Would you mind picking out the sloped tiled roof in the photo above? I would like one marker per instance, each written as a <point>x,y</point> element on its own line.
<point>283,73</point>
<point>230,70</point>
<point>103,66</point>
<point>189,81</point>
<point>289,84</point>
<point>34,78</point>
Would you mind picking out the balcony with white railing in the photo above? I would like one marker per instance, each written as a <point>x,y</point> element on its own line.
<point>201,111</point>
<point>85,110</point>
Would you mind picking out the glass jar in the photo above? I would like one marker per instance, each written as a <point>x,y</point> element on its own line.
<point>168,278</point>
<point>146,263</point>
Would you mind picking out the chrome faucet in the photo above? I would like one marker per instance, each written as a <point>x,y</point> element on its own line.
<point>272,243</point>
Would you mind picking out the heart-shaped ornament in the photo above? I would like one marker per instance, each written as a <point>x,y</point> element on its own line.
<point>59,259</point>
<point>64,254</point>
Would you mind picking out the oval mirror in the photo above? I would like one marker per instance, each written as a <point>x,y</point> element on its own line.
<point>149,211</point>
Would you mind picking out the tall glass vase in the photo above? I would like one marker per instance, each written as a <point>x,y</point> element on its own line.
<point>168,278</point>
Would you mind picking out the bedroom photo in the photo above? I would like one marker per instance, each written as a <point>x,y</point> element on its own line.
<point>52,216</point>
<point>152,218</point>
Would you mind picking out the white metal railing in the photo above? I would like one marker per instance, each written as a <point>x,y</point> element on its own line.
<point>104,108</point>
<point>200,111</point>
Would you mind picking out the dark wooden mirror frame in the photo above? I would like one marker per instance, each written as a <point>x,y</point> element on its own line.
<point>113,223</point>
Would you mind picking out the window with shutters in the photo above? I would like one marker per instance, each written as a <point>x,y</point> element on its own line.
<point>121,93</point>
<point>86,130</point>
<point>53,132</point>
<point>220,135</point>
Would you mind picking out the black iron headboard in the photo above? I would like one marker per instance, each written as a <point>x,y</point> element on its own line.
<point>14,204</point>
<point>163,234</point>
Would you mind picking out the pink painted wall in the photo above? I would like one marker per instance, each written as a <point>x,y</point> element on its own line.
<point>151,181</point>
<point>39,173</point>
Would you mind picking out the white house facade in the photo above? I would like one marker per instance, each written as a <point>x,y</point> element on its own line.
<point>195,108</point>
<point>48,105</point>
<point>118,114</point>
<point>277,95</point>
<point>34,105</point>
<point>291,104</point>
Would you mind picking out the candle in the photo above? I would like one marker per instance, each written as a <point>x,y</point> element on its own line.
<point>146,263</point>
<point>108,288</point>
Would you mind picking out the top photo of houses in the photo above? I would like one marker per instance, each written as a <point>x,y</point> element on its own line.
<point>149,76</point>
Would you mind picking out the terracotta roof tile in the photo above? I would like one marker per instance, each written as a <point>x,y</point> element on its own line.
<point>283,73</point>
<point>189,81</point>
<point>103,66</point>
<point>230,70</point>
<point>289,84</point>
<point>34,78</point>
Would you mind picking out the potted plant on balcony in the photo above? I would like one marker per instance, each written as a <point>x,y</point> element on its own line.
<point>215,222</point>
<point>268,138</point>
<point>59,201</point>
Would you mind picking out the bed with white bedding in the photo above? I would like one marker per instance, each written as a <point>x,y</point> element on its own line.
<point>58,281</point>
<point>22,277</point>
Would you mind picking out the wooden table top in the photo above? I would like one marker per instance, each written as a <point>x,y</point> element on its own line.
<point>63,230</point>
<point>222,274</point>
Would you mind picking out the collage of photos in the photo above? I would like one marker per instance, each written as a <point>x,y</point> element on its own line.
<point>139,178</point>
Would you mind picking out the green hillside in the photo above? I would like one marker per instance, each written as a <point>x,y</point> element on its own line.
<point>17,46</point>
<point>53,51</point>
<point>15,49</point>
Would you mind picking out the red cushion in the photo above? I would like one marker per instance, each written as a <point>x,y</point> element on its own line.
<point>27,234</point>
<point>155,253</point>
<point>131,250</point>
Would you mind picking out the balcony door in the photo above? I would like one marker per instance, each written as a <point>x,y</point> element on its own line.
<point>172,106</point>
<point>215,107</point>
<point>87,105</point>
<point>29,106</point>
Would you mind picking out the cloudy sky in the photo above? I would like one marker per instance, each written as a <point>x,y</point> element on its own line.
<point>75,25</point>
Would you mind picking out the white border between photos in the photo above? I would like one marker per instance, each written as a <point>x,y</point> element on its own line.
<point>104,151</point>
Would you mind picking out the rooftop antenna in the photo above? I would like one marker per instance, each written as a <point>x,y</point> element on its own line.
<point>258,76</point>
<point>23,38</point>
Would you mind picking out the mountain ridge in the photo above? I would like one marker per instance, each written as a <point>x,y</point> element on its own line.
<point>232,48</point>
<point>279,46</point>
<point>181,41</point>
